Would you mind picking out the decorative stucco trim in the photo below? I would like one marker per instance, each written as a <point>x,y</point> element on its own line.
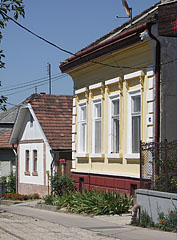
<point>112,81</point>
<point>105,173</point>
<point>94,86</point>
<point>82,90</point>
<point>81,155</point>
<point>132,156</point>
<point>96,155</point>
<point>112,155</point>
<point>133,75</point>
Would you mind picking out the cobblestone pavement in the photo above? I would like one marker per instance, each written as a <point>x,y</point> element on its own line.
<point>15,227</point>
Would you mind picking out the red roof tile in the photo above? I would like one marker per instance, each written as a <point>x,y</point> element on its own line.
<point>4,139</point>
<point>54,113</point>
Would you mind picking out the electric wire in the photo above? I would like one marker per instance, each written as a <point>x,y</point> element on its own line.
<point>31,84</point>
<point>41,84</point>
<point>69,52</point>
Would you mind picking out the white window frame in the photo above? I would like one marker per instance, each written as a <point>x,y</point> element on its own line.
<point>94,103</point>
<point>110,124</point>
<point>132,93</point>
<point>82,148</point>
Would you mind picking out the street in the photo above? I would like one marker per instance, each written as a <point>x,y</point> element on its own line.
<point>13,227</point>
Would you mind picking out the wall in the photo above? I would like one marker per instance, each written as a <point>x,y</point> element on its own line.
<point>7,162</point>
<point>124,164</point>
<point>152,201</point>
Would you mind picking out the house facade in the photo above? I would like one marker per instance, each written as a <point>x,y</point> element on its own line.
<point>118,102</point>
<point>7,153</point>
<point>42,132</point>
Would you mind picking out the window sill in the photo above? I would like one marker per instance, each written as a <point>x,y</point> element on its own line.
<point>96,155</point>
<point>81,155</point>
<point>35,173</point>
<point>132,156</point>
<point>27,173</point>
<point>112,155</point>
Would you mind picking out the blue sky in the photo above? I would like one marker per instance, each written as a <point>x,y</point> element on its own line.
<point>70,24</point>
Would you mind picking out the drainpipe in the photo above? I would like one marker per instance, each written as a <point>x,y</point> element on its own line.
<point>157,84</point>
<point>15,152</point>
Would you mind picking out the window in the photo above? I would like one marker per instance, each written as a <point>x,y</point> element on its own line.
<point>82,125</point>
<point>27,161</point>
<point>115,125</point>
<point>136,122</point>
<point>34,160</point>
<point>97,126</point>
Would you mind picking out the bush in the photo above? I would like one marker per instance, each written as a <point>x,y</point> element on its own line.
<point>11,183</point>
<point>62,184</point>
<point>94,202</point>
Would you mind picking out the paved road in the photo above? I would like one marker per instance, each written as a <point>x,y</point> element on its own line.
<point>52,225</point>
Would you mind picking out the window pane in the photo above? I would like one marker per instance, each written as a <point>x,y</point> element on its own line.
<point>115,135</point>
<point>83,113</point>
<point>35,160</point>
<point>136,104</point>
<point>115,107</point>
<point>98,137</point>
<point>97,110</point>
<point>135,133</point>
<point>83,140</point>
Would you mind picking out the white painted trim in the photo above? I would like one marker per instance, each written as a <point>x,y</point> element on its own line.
<point>96,155</point>
<point>110,127</point>
<point>151,82</point>
<point>112,155</point>
<point>82,90</point>
<point>79,140</point>
<point>81,155</point>
<point>73,163</point>
<point>133,75</point>
<point>131,93</point>
<point>94,86</point>
<point>73,128</point>
<point>111,81</point>
<point>98,100</point>
<point>74,110</point>
<point>105,173</point>
<point>150,73</point>
<point>132,156</point>
<point>74,101</point>
<point>150,95</point>
<point>150,107</point>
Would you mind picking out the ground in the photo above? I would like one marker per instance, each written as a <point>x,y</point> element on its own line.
<point>13,227</point>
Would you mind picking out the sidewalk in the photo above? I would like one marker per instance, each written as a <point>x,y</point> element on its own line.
<point>113,226</point>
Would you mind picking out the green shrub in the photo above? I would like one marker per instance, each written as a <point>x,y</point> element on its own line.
<point>11,183</point>
<point>94,202</point>
<point>62,184</point>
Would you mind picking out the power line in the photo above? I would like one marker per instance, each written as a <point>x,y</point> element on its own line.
<point>73,54</point>
<point>31,81</point>
<point>32,84</point>
<point>46,82</point>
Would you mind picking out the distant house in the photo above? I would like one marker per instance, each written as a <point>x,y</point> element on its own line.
<point>7,155</point>
<point>42,132</point>
<point>125,91</point>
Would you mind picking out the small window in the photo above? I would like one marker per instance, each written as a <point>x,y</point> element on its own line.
<point>34,160</point>
<point>27,161</point>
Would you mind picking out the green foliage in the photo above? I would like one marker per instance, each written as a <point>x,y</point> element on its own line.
<point>168,222</point>
<point>49,199</point>
<point>62,184</point>
<point>165,223</point>
<point>15,7</point>
<point>94,202</point>
<point>11,183</point>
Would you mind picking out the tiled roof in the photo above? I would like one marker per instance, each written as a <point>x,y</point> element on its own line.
<point>4,138</point>
<point>54,113</point>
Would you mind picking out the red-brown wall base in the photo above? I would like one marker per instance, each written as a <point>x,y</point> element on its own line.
<point>24,188</point>
<point>104,182</point>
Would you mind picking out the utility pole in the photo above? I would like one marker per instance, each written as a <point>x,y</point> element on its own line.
<point>50,82</point>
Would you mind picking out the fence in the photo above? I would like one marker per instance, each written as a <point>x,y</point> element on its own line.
<point>158,166</point>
